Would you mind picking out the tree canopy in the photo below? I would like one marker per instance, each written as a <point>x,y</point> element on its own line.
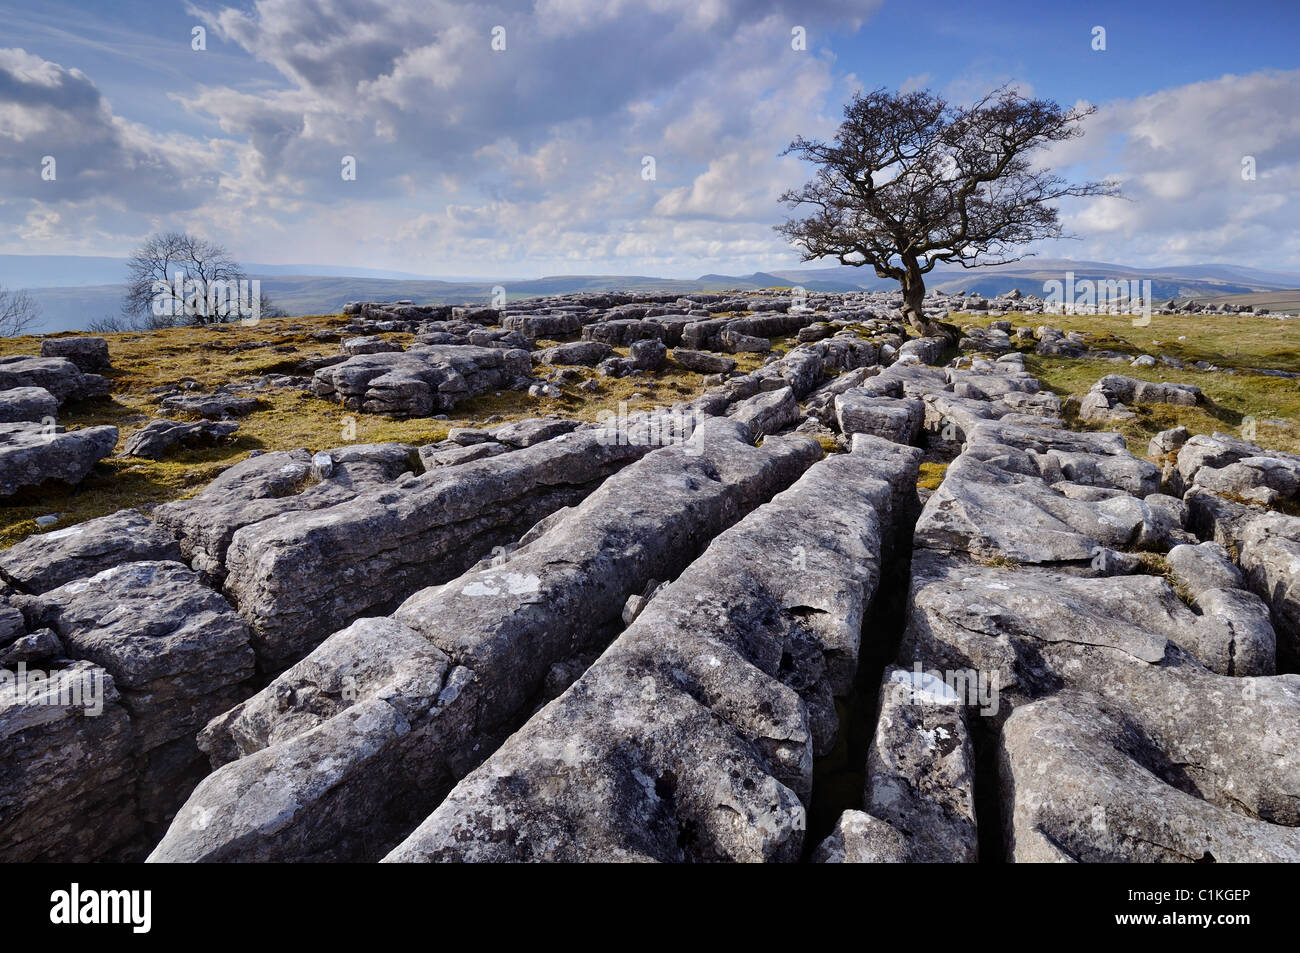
<point>911,180</point>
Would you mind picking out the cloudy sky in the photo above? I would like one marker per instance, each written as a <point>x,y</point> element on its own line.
<point>528,160</point>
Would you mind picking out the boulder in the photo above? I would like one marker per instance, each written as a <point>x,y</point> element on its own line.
<point>734,342</point>
<point>220,403</point>
<point>369,344</point>
<point>545,326</point>
<point>27,404</point>
<point>588,353</point>
<point>58,375</point>
<point>525,433</point>
<point>648,355</point>
<point>702,362</point>
<point>898,420</point>
<point>767,413</point>
<point>157,437</point>
<point>31,454</point>
<point>421,381</point>
<point>48,560</point>
<point>90,354</point>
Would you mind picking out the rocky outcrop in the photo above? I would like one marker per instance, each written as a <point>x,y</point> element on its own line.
<point>157,437</point>
<point>692,737</point>
<point>313,569</point>
<point>90,354</point>
<point>898,420</point>
<point>633,639</point>
<point>30,404</point>
<point>483,643</point>
<point>270,485</point>
<point>219,403</point>
<point>1190,722</point>
<point>177,653</point>
<point>68,769</point>
<point>767,413</point>
<point>58,375</point>
<point>702,362</point>
<point>589,353</point>
<point>1107,401</point>
<point>49,560</point>
<point>420,381</point>
<point>31,454</point>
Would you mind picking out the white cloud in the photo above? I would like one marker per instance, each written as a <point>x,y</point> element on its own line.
<point>1178,157</point>
<point>529,161</point>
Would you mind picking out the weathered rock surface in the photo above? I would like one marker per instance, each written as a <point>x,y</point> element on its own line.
<point>549,640</point>
<point>702,362</point>
<point>177,653</point>
<point>30,404</point>
<point>48,560</point>
<point>219,403</point>
<point>1083,782</point>
<point>920,769</point>
<point>68,768</point>
<point>270,485</point>
<point>898,420</point>
<point>422,380</point>
<point>367,344</point>
<point>159,436</point>
<point>499,628</point>
<point>58,375</point>
<point>859,838</point>
<point>692,737</point>
<point>298,577</point>
<point>1107,401</point>
<point>88,353</point>
<point>434,455</point>
<point>589,353</point>
<point>31,454</point>
<point>767,413</point>
<point>1190,724</point>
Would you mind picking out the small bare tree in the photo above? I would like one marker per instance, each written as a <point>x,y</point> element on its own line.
<point>152,284</point>
<point>910,181</point>
<point>18,312</point>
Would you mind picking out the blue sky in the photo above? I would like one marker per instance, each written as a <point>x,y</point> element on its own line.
<point>529,161</point>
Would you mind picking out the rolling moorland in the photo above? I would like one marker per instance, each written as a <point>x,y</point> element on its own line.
<point>73,291</point>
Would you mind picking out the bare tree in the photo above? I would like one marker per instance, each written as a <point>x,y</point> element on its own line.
<point>910,181</point>
<point>169,279</point>
<point>113,323</point>
<point>18,312</point>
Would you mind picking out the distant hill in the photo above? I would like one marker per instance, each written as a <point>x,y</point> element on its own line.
<point>75,290</point>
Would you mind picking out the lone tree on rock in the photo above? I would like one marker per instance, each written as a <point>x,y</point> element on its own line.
<point>910,181</point>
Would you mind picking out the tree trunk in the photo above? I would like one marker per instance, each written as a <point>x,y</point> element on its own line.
<point>914,296</point>
<point>913,283</point>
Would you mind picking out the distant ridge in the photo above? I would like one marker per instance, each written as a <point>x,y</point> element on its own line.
<point>75,290</point>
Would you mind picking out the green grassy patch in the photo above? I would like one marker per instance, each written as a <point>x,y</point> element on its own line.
<point>286,418</point>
